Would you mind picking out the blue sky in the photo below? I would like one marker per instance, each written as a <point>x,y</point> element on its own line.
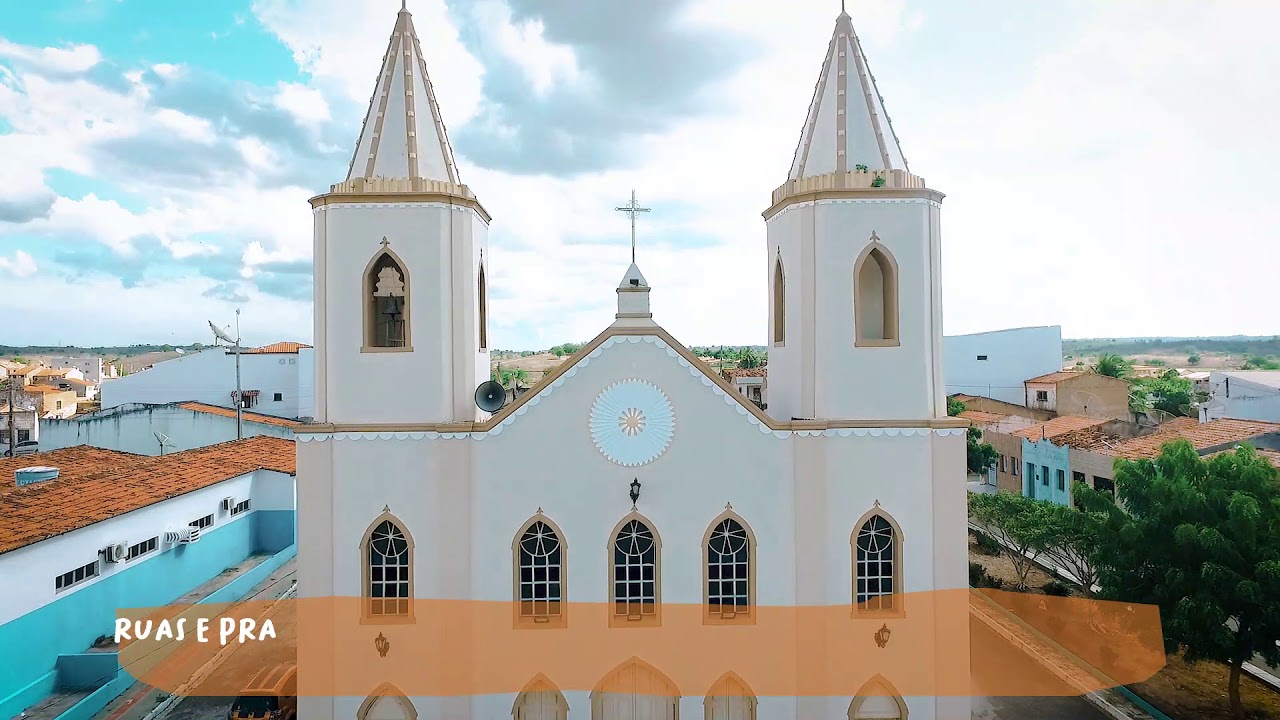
<point>1107,165</point>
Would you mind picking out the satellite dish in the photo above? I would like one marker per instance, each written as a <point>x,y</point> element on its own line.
<point>163,440</point>
<point>219,334</point>
<point>491,396</point>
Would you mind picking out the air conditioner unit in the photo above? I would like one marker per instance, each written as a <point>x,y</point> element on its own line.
<point>184,536</point>
<point>228,502</point>
<point>115,553</point>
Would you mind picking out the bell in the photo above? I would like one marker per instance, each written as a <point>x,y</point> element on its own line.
<point>391,305</point>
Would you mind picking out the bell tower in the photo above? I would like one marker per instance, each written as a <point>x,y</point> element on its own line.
<point>400,252</point>
<point>855,302</point>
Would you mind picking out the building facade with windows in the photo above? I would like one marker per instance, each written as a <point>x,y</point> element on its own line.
<point>76,569</point>
<point>993,364</point>
<point>632,493</point>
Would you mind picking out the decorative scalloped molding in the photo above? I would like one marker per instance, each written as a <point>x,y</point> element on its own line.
<point>653,437</point>
<point>846,201</point>
<point>671,352</point>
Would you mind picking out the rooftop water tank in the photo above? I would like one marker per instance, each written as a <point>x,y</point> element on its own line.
<point>40,473</point>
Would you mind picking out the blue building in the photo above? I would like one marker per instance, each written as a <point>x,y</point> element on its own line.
<point>1046,475</point>
<point>86,531</point>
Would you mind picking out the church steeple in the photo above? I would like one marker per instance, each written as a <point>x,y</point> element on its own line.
<point>847,124</point>
<point>403,134</point>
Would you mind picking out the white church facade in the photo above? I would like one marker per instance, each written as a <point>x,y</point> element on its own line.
<point>632,478</point>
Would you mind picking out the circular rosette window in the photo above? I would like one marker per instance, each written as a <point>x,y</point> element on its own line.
<point>632,422</point>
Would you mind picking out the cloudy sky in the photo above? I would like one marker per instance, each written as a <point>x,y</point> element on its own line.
<point>1108,165</point>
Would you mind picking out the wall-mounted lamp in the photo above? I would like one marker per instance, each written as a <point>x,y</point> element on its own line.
<point>635,490</point>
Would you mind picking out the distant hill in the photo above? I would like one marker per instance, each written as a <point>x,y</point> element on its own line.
<point>1240,345</point>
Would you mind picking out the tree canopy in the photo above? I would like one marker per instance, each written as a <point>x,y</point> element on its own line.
<point>1018,522</point>
<point>1200,539</point>
<point>1112,365</point>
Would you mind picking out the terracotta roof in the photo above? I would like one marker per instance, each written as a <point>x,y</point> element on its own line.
<point>982,418</point>
<point>95,485</point>
<point>1178,423</point>
<point>231,413</point>
<point>1272,456</point>
<point>1090,438</point>
<point>77,381</point>
<point>1201,435</point>
<point>53,372</point>
<point>1057,426</point>
<point>43,389</point>
<point>27,369</point>
<point>746,372</point>
<point>962,397</point>
<point>280,347</point>
<point>1054,378</point>
<point>995,422</point>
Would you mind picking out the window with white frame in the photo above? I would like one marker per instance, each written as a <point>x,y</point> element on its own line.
<point>142,548</point>
<point>75,577</point>
<point>388,571</point>
<point>541,568</point>
<point>635,561</point>
<point>239,507</point>
<point>728,568</point>
<point>876,564</point>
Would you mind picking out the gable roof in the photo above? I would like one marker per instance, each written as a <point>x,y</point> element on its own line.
<point>95,485</point>
<point>1057,426</point>
<point>616,334</point>
<point>746,372</point>
<point>1054,378</point>
<point>1200,435</point>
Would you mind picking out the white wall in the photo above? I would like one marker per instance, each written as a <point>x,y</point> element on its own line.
<point>209,376</point>
<point>37,565</point>
<point>131,429</point>
<point>1235,396</point>
<point>1013,356</point>
<point>90,366</point>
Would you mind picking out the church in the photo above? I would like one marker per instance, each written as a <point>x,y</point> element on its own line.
<point>632,494</point>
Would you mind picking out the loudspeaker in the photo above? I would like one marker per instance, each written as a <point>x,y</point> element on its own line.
<point>491,396</point>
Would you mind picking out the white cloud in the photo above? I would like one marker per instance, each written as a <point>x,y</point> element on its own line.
<point>20,265</point>
<point>71,59</point>
<point>306,104</point>
<point>166,70</point>
<point>544,63</point>
<point>185,126</point>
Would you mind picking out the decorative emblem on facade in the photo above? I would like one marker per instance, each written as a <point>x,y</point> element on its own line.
<point>382,645</point>
<point>882,636</point>
<point>632,422</point>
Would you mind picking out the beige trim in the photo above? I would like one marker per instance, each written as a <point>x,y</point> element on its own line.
<point>856,703</point>
<point>779,302</point>
<point>447,198</point>
<point>540,684</point>
<point>713,616</point>
<point>483,294</point>
<point>654,620</point>
<point>898,610</point>
<point>369,304</point>
<point>868,193</point>
<point>743,690</point>
<point>634,316</point>
<point>366,617</point>
<point>623,331</point>
<point>889,285</point>
<point>387,690</point>
<point>561,619</point>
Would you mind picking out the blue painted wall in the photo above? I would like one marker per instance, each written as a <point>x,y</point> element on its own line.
<point>1049,463</point>
<point>30,646</point>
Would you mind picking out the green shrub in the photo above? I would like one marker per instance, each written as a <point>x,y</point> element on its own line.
<point>987,545</point>
<point>1056,589</point>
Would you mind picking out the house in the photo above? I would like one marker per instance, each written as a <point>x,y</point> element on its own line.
<point>91,367</point>
<point>994,364</point>
<point>1000,407</point>
<point>50,374</point>
<point>1046,465</point>
<point>276,379</point>
<point>26,424</point>
<point>25,374</point>
<point>1077,392</point>
<point>49,401</point>
<point>88,531</point>
<point>998,430</point>
<point>1243,394</point>
<point>751,382</point>
<point>140,428</point>
<point>84,389</point>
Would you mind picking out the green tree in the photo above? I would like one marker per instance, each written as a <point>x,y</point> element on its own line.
<point>1193,359</point>
<point>980,456</point>
<point>748,358</point>
<point>1200,539</point>
<point>1112,365</point>
<point>1071,540</point>
<point>1257,362</point>
<point>1017,522</point>
<point>1169,392</point>
<point>954,407</point>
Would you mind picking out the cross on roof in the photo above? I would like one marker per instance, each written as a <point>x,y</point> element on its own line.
<point>631,209</point>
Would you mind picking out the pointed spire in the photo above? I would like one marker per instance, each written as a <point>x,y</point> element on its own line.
<point>847,125</point>
<point>403,134</point>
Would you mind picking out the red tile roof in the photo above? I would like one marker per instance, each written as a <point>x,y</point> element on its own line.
<point>53,372</point>
<point>1058,426</point>
<point>1090,438</point>
<point>280,347</point>
<point>982,418</point>
<point>746,372</point>
<point>231,413</point>
<point>1201,436</point>
<point>1271,456</point>
<point>1054,378</point>
<point>95,485</point>
<point>43,389</point>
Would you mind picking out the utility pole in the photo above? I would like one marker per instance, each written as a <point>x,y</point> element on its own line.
<point>239,392</point>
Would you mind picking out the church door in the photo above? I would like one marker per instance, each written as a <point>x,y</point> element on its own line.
<point>635,691</point>
<point>729,699</point>
<point>540,701</point>
<point>386,708</point>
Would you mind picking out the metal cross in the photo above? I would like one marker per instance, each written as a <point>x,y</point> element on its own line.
<point>631,209</point>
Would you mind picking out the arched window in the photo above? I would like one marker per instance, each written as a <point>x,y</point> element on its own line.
<point>729,577</point>
<point>729,699</point>
<point>483,306</point>
<point>877,700</point>
<point>877,565</point>
<point>779,303</point>
<point>388,571</point>
<point>875,304</point>
<point>540,574</point>
<point>386,703</point>
<point>637,560</point>
<point>386,292</point>
<point>540,700</point>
